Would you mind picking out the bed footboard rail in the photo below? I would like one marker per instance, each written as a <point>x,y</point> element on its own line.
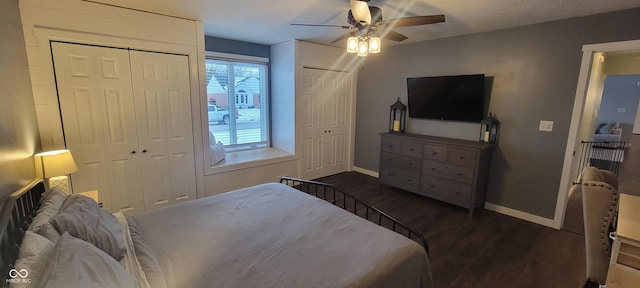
<point>354,205</point>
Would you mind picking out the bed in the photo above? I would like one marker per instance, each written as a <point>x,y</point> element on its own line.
<point>269,235</point>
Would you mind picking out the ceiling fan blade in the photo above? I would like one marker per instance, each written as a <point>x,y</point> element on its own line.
<point>414,21</point>
<point>321,25</point>
<point>343,36</point>
<point>360,11</point>
<point>394,36</point>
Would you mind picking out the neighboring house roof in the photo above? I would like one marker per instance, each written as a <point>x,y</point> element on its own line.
<point>214,87</point>
<point>250,84</point>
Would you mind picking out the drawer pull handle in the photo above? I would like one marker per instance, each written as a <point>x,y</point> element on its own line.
<point>461,157</point>
<point>431,186</point>
<point>433,168</point>
<point>434,153</point>
<point>459,174</point>
<point>408,180</point>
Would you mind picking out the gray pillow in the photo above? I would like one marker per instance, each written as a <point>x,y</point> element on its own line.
<point>76,263</point>
<point>83,218</point>
<point>50,204</point>
<point>33,244</point>
<point>54,197</point>
<point>34,250</point>
<point>605,128</point>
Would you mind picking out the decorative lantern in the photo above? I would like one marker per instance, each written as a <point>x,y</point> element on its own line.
<point>489,128</point>
<point>397,116</point>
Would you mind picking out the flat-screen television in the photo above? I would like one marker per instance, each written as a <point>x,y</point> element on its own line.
<point>448,98</point>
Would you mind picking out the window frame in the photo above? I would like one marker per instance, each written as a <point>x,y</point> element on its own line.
<point>237,58</point>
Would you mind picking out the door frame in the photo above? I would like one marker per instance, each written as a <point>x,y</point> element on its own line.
<point>588,52</point>
<point>350,119</point>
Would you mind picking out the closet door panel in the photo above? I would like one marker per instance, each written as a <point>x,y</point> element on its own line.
<point>97,107</point>
<point>162,101</point>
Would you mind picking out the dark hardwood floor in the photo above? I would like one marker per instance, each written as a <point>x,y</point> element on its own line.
<point>488,250</point>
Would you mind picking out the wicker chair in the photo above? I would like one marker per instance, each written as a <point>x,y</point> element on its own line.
<point>599,202</point>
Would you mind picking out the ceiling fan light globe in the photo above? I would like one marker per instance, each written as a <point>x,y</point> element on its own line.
<point>374,45</point>
<point>352,45</point>
<point>363,48</point>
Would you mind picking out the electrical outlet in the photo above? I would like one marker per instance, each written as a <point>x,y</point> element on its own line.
<point>546,126</point>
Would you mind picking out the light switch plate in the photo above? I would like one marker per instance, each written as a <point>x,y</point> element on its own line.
<point>546,126</point>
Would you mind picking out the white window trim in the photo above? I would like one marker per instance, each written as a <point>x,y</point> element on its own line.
<point>242,159</point>
<point>210,54</point>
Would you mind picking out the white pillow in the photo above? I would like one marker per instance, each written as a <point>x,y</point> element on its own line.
<point>218,153</point>
<point>212,139</point>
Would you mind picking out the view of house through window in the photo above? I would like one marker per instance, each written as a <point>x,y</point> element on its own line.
<point>237,103</point>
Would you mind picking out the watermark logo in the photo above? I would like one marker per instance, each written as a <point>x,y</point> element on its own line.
<point>18,276</point>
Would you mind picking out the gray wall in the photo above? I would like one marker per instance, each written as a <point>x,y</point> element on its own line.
<point>236,47</point>
<point>534,70</point>
<point>18,127</point>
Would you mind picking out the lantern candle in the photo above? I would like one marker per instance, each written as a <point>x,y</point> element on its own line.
<point>396,125</point>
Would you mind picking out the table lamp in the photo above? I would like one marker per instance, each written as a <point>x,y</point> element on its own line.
<point>54,166</point>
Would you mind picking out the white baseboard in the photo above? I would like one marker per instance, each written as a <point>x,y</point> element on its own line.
<point>365,171</point>
<point>489,206</point>
<point>519,214</point>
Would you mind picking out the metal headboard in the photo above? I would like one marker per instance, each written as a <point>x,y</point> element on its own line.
<point>16,215</point>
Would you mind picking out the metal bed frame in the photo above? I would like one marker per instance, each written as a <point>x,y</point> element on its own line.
<point>16,215</point>
<point>21,206</point>
<point>352,204</point>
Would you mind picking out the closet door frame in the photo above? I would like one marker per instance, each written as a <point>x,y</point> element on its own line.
<point>44,86</point>
<point>98,113</point>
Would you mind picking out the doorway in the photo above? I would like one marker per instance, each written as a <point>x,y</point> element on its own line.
<point>598,61</point>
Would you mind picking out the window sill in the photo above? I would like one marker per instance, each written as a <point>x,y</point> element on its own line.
<point>251,158</point>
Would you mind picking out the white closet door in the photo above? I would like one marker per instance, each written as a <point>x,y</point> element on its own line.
<point>162,94</point>
<point>326,98</point>
<point>97,107</point>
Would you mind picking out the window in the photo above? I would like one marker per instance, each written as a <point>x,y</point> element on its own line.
<point>238,102</point>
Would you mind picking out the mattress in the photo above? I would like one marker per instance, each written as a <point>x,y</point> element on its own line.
<point>272,235</point>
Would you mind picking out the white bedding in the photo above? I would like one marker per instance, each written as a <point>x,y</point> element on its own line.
<point>272,235</point>
<point>130,260</point>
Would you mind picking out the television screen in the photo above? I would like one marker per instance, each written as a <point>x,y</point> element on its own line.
<point>454,98</point>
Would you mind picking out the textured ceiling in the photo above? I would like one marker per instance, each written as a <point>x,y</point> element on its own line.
<point>267,22</point>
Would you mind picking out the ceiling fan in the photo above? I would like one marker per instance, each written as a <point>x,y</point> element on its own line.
<point>366,21</point>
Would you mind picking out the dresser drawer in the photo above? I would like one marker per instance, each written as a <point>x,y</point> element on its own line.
<point>451,172</point>
<point>629,255</point>
<point>461,157</point>
<point>401,162</point>
<point>435,152</point>
<point>412,149</point>
<point>391,145</point>
<point>399,178</point>
<point>449,191</point>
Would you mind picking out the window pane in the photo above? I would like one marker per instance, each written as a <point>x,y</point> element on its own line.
<point>237,98</point>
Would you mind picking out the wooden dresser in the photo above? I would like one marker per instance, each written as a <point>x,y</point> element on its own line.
<point>624,267</point>
<point>450,170</point>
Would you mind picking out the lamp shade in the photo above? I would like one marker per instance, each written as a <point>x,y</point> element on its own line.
<point>55,163</point>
